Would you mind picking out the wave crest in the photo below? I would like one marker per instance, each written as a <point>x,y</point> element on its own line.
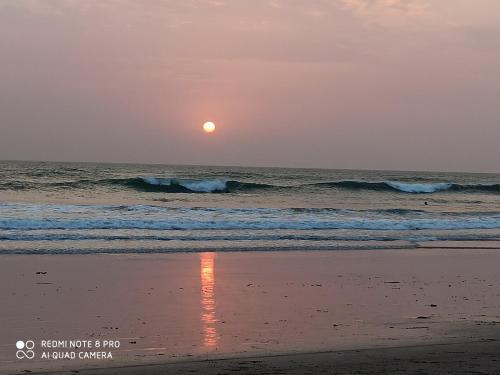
<point>408,187</point>
<point>219,185</point>
<point>199,186</point>
<point>418,188</point>
<point>175,185</point>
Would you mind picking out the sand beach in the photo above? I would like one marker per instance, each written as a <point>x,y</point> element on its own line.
<point>256,312</point>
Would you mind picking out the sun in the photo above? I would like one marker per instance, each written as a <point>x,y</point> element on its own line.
<point>209,127</point>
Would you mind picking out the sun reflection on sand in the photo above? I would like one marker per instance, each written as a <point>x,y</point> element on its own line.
<point>208,320</point>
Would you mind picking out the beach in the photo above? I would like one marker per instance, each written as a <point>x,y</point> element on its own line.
<point>255,312</point>
<point>249,187</point>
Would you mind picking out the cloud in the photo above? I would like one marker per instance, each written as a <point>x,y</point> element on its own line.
<point>384,10</point>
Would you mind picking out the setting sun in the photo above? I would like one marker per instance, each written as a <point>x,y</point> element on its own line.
<point>209,127</point>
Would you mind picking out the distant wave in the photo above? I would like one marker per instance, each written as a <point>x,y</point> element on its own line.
<point>175,185</point>
<point>180,185</point>
<point>406,187</point>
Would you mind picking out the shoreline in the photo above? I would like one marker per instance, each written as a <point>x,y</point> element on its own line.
<point>397,245</point>
<point>169,309</point>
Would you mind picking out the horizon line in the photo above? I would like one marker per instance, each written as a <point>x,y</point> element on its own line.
<point>242,166</point>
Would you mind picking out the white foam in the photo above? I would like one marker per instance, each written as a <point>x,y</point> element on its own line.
<point>227,223</point>
<point>27,217</point>
<point>157,181</point>
<point>418,188</point>
<point>204,186</point>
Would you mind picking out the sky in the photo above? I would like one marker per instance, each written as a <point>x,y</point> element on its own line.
<point>362,84</point>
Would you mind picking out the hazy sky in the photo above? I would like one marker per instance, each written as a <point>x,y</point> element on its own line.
<point>378,84</point>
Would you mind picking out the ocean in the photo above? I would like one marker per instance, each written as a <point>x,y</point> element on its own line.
<point>79,208</point>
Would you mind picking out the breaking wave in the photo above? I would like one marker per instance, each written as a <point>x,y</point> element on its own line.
<point>418,188</point>
<point>406,187</point>
<point>175,185</point>
<point>219,185</point>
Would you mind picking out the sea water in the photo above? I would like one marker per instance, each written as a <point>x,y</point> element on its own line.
<point>71,208</point>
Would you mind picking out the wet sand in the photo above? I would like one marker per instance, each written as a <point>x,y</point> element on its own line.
<point>452,359</point>
<point>257,312</point>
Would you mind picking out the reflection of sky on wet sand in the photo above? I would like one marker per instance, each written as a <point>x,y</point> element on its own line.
<point>208,320</point>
